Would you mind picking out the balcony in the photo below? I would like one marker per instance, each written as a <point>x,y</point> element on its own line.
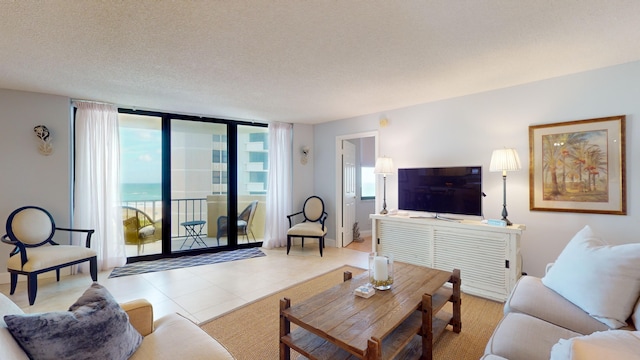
<point>196,209</point>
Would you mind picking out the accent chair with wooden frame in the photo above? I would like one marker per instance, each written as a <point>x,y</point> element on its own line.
<point>31,230</point>
<point>312,226</point>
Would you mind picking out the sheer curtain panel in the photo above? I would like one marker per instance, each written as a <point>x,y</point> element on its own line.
<point>278,185</point>
<point>97,181</point>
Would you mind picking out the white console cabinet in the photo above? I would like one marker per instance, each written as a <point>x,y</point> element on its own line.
<point>488,256</point>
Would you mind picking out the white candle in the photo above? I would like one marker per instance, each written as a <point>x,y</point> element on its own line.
<point>380,269</point>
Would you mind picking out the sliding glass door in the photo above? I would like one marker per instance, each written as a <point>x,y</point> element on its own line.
<point>141,183</point>
<point>253,167</point>
<point>203,170</point>
<point>199,178</point>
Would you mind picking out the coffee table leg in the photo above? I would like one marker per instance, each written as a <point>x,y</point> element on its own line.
<point>427,327</point>
<point>285,329</point>
<point>374,349</point>
<point>456,321</point>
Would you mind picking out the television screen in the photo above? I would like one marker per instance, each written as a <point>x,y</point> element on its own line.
<point>442,190</point>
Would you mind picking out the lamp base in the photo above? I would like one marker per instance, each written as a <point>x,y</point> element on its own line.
<point>383,212</point>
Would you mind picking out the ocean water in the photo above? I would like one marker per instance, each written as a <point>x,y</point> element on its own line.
<point>140,192</point>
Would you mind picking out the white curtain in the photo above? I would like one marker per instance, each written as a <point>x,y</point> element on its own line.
<point>278,185</point>
<point>97,182</point>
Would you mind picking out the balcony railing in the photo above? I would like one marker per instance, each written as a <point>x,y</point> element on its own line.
<point>181,210</point>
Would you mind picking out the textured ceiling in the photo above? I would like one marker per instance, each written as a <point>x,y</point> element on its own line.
<point>303,61</point>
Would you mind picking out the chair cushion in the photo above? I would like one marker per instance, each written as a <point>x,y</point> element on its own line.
<point>47,256</point>
<point>32,226</point>
<point>147,231</point>
<point>95,327</point>
<point>603,280</point>
<point>307,229</point>
<point>313,208</point>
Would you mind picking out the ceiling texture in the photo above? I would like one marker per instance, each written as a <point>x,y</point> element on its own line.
<point>303,61</point>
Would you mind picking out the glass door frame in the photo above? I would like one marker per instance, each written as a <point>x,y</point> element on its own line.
<point>232,182</point>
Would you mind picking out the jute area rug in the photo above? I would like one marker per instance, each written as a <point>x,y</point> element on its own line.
<point>251,332</point>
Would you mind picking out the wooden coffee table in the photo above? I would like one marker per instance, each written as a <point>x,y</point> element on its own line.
<point>336,324</point>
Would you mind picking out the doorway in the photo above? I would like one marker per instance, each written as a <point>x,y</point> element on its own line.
<point>355,205</point>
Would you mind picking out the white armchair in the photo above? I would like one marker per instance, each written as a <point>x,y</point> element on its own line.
<point>31,230</point>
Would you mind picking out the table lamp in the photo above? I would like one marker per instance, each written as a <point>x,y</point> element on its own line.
<point>384,166</point>
<point>504,160</point>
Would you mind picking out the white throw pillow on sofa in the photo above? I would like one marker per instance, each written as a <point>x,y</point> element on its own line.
<point>612,344</point>
<point>601,279</point>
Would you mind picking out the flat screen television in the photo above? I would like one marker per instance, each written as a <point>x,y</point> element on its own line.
<point>441,190</point>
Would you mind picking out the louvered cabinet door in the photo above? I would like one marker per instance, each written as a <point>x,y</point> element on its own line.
<point>407,242</point>
<point>481,256</point>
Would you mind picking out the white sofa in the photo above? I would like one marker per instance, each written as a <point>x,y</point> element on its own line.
<point>170,337</point>
<point>535,319</point>
<point>603,283</point>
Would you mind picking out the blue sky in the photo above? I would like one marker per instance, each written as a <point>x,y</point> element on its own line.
<point>140,155</point>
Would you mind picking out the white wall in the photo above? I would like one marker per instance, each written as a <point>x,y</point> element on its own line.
<point>29,178</point>
<point>465,130</point>
<point>303,176</point>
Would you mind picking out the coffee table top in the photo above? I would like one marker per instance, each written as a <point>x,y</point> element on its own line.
<point>350,321</point>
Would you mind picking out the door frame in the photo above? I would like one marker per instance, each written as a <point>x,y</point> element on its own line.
<point>339,182</point>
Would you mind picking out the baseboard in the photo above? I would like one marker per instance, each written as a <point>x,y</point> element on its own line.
<point>366,232</point>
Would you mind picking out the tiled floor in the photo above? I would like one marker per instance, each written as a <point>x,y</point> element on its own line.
<point>198,293</point>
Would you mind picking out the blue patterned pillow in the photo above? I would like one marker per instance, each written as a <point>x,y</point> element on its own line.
<point>95,327</point>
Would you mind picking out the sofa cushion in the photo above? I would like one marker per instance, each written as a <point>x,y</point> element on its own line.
<point>95,327</point>
<point>10,348</point>
<point>612,344</point>
<point>176,337</point>
<point>520,336</point>
<point>530,296</point>
<point>603,280</point>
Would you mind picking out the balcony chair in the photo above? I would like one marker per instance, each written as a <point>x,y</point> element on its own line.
<point>313,224</point>
<point>31,229</point>
<point>140,228</point>
<point>245,220</point>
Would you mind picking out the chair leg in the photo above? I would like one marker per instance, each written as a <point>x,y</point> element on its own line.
<point>321,245</point>
<point>93,268</point>
<point>58,275</point>
<point>303,241</point>
<point>14,282</point>
<point>288,244</point>
<point>32,287</point>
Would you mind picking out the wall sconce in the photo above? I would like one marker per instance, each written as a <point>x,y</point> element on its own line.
<point>305,155</point>
<point>44,137</point>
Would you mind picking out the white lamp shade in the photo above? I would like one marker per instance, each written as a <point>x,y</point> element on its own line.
<point>504,160</point>
<point>384,166</point>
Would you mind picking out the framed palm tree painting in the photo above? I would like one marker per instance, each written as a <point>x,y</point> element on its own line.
<point>578,166</point>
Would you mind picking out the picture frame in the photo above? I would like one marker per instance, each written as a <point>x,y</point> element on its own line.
<point>578,166</point>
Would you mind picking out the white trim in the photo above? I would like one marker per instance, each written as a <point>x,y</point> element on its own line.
<point>338,189</point>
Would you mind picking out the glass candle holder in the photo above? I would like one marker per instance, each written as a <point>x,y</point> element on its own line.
<point>380,271</point>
